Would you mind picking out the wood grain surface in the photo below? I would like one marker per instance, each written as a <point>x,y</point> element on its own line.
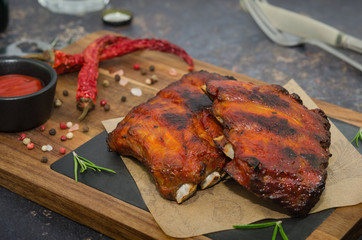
<point>22,172</point>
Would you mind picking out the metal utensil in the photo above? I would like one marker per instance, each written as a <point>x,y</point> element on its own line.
<point>289,40</point>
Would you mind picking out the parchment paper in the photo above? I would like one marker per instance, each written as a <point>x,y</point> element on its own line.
<point>227,203</point>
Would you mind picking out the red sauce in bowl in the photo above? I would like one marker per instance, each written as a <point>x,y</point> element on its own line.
<point>14,85</point>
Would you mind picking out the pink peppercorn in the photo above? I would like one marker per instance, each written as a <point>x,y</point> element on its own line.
<point>136,66</point>
<point>63,138</point>
<point>103,102</point>
<point>42,128</point>
<point>22,137</point>
<point>63,125</point>
<point>30,146</point>
<point>62,150</point>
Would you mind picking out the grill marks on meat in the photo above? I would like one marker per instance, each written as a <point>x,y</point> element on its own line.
<point>279,148</point>
<point>172,135</point>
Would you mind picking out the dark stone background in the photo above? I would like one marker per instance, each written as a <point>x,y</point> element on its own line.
<point>217,32</point>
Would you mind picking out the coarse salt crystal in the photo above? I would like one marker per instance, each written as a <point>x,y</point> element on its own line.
<point>136,92</point>
<point>123,82</point>
<point>74,127</point>
<point>119,72</point>
<point>49,147</point>
<point>44,148</point>
<point>172,72</point>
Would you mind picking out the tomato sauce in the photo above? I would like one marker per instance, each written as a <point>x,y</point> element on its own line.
<point>13,85</point>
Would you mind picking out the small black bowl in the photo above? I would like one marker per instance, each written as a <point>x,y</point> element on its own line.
<point>28,111</point>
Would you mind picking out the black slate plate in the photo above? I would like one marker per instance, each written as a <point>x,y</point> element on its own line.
<point>122,186</point>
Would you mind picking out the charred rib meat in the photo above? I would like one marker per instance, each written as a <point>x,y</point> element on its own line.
<point>279,148</point>
<point>172,135</point>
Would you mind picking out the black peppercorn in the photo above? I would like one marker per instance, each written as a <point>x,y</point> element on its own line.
<point>107,107</point>
<point>65,93</point>
<point>117,78</point>
<point>123,99</point>
<point>44,159</point>
<point>52,131</point>
<point>152,68</point>
<point>85,129</point>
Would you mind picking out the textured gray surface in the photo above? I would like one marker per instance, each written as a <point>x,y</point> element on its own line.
<point>217,32</point>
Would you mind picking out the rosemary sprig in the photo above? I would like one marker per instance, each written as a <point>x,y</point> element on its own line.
<point>358,136</point>
<point>278,226</point>
<point>84,165</point>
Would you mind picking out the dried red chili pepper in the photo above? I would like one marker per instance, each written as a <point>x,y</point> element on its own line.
<point>88,74</point>
<point>121,48</point>
<point>64,63</point>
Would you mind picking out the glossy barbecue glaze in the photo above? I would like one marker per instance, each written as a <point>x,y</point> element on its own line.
<point>279,147</point>
<point>172,134</point>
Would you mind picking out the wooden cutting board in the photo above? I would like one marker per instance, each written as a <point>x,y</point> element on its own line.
<point>22,172</point>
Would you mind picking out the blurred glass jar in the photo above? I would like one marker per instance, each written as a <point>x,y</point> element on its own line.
<point>74,7</point>
<point>4,15</point>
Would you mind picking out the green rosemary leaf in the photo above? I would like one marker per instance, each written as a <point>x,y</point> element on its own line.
<point>86,164</point>
<point>75,169</point>
<point>106,169</point>
<point>358,136</point>
<point>281,230</point>
<point>253,226</point>
<point>275,232</point>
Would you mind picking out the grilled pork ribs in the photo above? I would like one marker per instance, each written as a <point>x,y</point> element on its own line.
<point>276,148</point>
<point>172,135</point>
<point>279,148</point>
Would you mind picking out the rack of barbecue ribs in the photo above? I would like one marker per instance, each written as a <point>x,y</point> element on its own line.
<point>205,125</point>
<point>279,148</point>
<point>172,135</point>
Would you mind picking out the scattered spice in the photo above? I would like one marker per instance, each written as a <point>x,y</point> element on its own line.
<point>154,77</point>
<point>63,138</point>
<point>143,71</point>
<point>62,150</point>
<point>105,83</point>
<point>57,102</point>
<point>172,72</point>
<point>123,98</point>
<point>30,146</point>
<point>117,78</point>
<point>103,102</point>
<point>107,107</point>
<point>103,48</point>
<point>119,72</point>
<point>69,135</point>
<point>52,131</point>
<point>62,125</point>
<point>74,127</point>
<point>123,82</point>
<point>150,81</point>
<point>42,128</point>
<point>136,92</point>
<point>44,148</point>
<point>22,137</point>
<point>49,147</point>
<point>65,93</point>
<point>152,68</point>
<point>85,129</point>
<point>44,159</point>
<point>69,124</point>
<point>136,66</point>
<point>26,141</point>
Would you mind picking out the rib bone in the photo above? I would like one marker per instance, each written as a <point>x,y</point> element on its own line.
<point>185,191</point>
<point>210,180</point>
